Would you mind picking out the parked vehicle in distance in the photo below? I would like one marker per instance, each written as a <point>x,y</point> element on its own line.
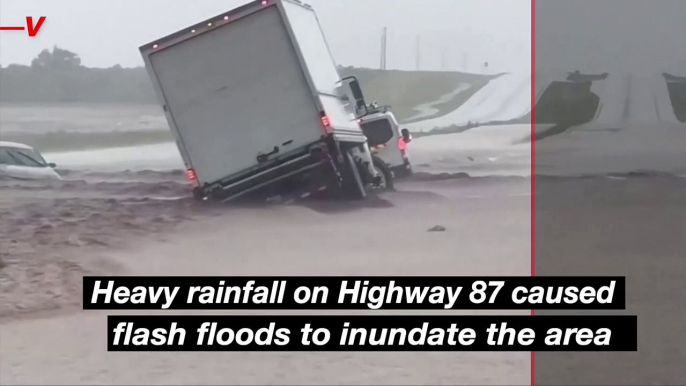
<point>254,99</point>
<point>22,162</point>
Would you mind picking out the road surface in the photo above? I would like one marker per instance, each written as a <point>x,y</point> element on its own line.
<point>487,232</point>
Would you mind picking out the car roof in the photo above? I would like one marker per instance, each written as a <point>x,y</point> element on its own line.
<point>15,145</point>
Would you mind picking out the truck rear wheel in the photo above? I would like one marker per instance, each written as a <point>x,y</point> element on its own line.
<point>198,194</point>
<point>353,187</point>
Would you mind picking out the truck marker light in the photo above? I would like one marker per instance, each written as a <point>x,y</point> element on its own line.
<point>155,46</point>
<point>209,24</point>
<point>325,121</point>
<point>190,174</point>
<point>192,31</point>
<point>226,18</point>
<point>265,2</point>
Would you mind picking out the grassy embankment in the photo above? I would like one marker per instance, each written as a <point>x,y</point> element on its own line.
<point>81,125</point>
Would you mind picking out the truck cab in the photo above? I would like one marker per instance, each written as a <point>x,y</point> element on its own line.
<point>386,140</point>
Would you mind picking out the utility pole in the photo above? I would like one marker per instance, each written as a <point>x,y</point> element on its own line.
<point>418,53</point>
<point>383,48</point>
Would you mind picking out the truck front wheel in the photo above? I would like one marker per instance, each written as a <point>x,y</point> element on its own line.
<point>386,174</point>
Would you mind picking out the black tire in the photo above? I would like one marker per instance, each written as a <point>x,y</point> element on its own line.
<point>198,194</point>
<point>353,187</point>
<point>385,171</point>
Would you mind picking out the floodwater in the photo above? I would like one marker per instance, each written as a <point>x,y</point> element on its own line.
<point>127,210</point>
<point>124,208</point>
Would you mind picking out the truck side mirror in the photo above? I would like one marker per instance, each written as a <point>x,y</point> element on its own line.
<point>357,93</point>
<point>356,90</point>
<point>52,165</point>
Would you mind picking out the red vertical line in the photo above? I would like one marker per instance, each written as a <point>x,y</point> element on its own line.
<point>533,139</point>
<point>533,165</point>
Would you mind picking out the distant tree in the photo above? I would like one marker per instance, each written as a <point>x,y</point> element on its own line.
<point>57,59</point>
<point>58,75</point>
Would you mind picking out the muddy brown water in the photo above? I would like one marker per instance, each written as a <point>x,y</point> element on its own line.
<point>57,234</point>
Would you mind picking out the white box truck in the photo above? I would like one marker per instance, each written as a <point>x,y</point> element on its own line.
<point>254,98</point>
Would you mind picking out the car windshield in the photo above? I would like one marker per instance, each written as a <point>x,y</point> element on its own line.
<point>21,157</point>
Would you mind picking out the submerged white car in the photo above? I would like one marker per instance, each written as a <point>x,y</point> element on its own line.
<point>22,162</point>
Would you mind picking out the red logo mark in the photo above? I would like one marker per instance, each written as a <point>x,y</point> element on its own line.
<point>32,28</point>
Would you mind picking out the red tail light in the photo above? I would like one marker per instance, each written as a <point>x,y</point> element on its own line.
<point>402,144</point>
<point>326,122</point>
<point>192,177</point>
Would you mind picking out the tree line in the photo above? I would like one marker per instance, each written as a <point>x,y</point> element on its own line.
<point>57,76</point>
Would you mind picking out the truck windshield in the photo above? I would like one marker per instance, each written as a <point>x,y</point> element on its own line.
<point>378,132</point>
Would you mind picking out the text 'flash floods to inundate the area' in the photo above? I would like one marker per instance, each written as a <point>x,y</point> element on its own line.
<point>123,204</point>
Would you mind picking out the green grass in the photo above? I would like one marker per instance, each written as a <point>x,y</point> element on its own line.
<point>67,127</point>
<point>404,90</point>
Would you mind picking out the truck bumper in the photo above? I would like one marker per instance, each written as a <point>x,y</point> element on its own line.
<point>349,136</point>
<point>231,189</point>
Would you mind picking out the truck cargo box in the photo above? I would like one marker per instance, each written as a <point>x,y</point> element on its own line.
<point>248,88</point>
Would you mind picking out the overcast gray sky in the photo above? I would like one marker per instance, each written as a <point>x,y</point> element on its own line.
<point>632,36</point>
<point>452,33</point>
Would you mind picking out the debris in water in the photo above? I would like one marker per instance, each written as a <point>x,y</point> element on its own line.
<point>437,228</point>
